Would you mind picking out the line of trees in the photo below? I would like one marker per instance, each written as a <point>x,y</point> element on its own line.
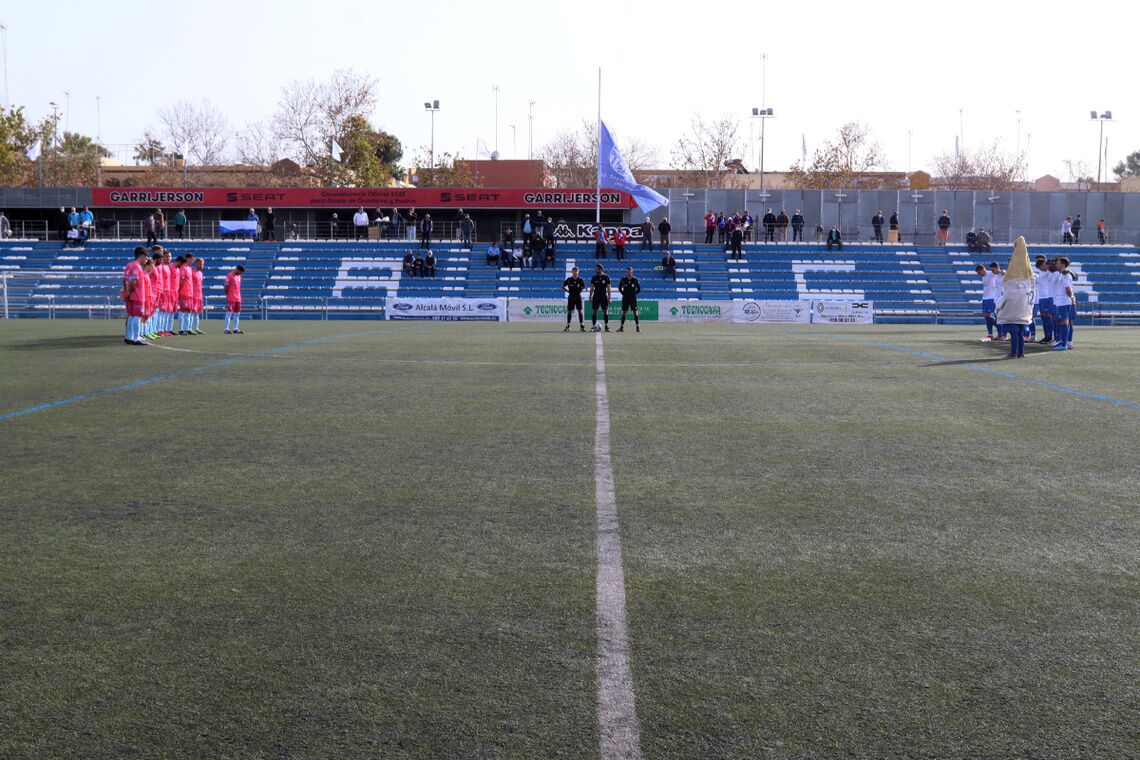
<point>311,114</point>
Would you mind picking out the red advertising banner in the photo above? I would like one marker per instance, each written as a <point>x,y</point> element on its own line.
<point>354,197</point>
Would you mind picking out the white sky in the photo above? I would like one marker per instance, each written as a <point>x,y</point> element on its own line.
<point>897,66</point>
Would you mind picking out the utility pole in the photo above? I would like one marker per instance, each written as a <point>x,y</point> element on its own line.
<point>496,89</point>
<point>530,127</point>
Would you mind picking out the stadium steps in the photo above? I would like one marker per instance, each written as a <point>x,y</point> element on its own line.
<point>943,267</point>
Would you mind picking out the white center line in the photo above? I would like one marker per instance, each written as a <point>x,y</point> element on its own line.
<point>617,716</point>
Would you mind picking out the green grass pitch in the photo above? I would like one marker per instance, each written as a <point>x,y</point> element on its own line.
<point>378,541</point>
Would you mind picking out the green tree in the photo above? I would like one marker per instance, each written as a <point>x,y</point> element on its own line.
<point>16,137</point>
<point>150,150</point>
<point>449,171</point>
<point>1129,167</point>
<point>370,155</point>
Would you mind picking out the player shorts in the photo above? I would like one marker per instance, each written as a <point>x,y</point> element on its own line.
<point>1045,305</point>
<point>136,308</point>
<point>989,305</point>
<point>186,304</point>
<point>574,302</point>
<point>1065,311</point>
<point>234,306</point>
<point>600,304</point>
<point>628,304</point>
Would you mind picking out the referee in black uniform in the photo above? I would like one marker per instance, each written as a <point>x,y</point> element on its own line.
<point>574,285</point>
<point>600,296</point>
<point>629,287</point>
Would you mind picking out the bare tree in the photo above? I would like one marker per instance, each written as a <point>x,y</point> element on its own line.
<point>1079,172</point>
<point>199,131</point>
<point>257,145</point>
<point>851,159</point>
<point>986,168</point>
<point>572,157</point>
<point>707,153</point>
<point>311,114</point>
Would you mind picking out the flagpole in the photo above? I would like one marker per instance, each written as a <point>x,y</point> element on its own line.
<point>598,153</point>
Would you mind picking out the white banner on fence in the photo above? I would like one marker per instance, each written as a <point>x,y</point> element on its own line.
<point>482,309</point>
<point>694,311</point>
<point>842,312</point>
<point>755,311</point>
<point>539,310</point>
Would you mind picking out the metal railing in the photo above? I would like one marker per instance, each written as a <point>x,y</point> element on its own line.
<point>27,229</point>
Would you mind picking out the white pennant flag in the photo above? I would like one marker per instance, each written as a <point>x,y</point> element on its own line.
<point>34,151</point>
<point>336,150</point>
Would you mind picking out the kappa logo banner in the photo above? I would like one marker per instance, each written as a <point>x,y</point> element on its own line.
<point>447,309</point>
<point>757,312</point>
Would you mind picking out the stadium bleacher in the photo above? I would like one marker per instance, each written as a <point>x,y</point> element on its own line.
<point>321,279</point>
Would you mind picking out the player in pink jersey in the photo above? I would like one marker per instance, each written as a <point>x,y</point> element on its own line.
<point>185,293</point>
<point>199,300</point>
<point>134,297</point>
<point>233,299</point>
<point>162,266</point>
<point>153,288</point>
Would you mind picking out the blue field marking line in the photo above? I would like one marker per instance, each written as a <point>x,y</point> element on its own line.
<point>179,373</point>
<point>1007,375</point>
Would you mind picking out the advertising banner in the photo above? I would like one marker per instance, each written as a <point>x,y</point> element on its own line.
<point>757,312</point>
<point>352,197</point>
<point>842,312</point>
<point>694,311</point>
<point>447,309</point>
<point>554,310</point>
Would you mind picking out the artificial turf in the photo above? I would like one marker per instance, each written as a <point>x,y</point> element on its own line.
<point>377,540</point>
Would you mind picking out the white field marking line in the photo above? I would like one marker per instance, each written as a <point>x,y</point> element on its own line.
<point>460,363</point>
<point>617,715</point>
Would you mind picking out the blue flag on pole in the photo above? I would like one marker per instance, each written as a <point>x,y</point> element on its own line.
<point>614,174</point>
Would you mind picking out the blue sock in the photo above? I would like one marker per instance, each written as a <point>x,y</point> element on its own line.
<point>1047,326</point>
<point>990,322</point>
<point>1069,335</point>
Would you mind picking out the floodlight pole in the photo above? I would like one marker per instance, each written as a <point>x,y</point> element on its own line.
<point>839,196</point>
<point>916,196</point>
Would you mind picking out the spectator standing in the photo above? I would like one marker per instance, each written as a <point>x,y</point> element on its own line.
<point>6,227</point>
<point>538,249</point>
<point>151,234</point>
<point>253,217</point>
<point>180,224</point>
<point>769,227</point>
<point>664,229</point>
<point>425,232</point>
<point>1077,224</point>
<point>527,228</point>
<point>834,239</point>
<point>1101,232</point>
<point>782,225</point>
<point>394,224</point>
<point>877,223</point>
<point>798,226</point>
<point>160,223</point>
<point>509,239</point>
<point>548,231</point>
<point>599,242</point>
<point>73,218</point>
<point>894,225</point>
<point>1067,230</point>
<point>737,238</point>
<point>87,221</point>
<point>466,231</point>
<point>710,227</point>
<point>411,224</point>
<point>944,227</point>
<point>270,226</point>
<point>721,225</point>
<point>360,224</point>
<point>647,235</point>
<point>334,226</point>
<point>620,236</point>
